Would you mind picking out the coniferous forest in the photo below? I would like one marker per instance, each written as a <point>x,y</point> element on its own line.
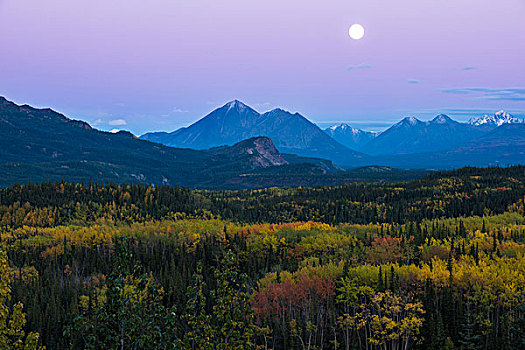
<point>432,263</point>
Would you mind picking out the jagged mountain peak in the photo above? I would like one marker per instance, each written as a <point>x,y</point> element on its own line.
<point>501,113</point>
<point>340,126</point>
<point>497,119</point>
<point>343,128</point>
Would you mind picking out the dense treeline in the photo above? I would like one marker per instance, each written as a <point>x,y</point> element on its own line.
<point>106,266</point>
<point>464,192</point>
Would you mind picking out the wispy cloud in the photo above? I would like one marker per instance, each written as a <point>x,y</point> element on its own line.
<point>512,94</point>
<point>468,68</point>
<point>179,110</point>
<point>98,122</point>
<point>358,66</point>
<point>414,81</point>
<point>117,122</point>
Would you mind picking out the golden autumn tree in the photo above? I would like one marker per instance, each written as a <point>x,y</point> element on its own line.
<point>12,320</point>
<point>389,321</point>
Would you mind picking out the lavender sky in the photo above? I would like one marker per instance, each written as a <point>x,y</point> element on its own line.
<point>162,64</point>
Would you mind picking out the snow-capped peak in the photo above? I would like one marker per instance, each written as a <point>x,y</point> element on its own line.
<point>502,115</point>
<point>236,104</point>
<point>408,120</point>
<point>499,118</point>
<point>343,127</point>
<point>441,119</point>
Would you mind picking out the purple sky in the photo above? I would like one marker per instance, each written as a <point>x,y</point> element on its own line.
<point>162,64</point>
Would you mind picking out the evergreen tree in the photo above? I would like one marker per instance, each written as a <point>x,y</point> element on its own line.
<point>132,316</point>
<point>380,283</point>
<point>230,322</point>
<point>468,339</point>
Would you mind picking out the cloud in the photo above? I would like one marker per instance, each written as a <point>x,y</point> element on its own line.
<point>414,81</point>
<point>117,122</point>
<point>98,122</point>
<point>512,94</point>
<point>179,110</point>
<point>468,68</point>
<point>358,66</point>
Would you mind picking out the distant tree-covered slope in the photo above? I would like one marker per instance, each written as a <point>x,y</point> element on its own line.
<point>463,192</point>
<point>41,144</point>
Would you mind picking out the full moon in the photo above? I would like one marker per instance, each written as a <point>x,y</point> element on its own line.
<point>356,31</point>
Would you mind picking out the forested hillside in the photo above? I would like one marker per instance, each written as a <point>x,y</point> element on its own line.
<point>434,263</point>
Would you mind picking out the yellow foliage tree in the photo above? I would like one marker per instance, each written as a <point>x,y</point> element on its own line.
<point>12,321</point>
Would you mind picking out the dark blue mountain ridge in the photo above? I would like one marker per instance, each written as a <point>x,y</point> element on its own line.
<point>502,146</point>
<point>412,135</point>
<point>235,121</point>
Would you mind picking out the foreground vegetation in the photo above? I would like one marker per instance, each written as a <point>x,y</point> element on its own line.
<point>436,263</point>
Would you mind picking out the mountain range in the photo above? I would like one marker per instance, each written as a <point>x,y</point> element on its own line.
<point>235,121</point>
<point>41,144</point>
<point>439,138</point>
<point>412,135</point>
<point>498,119</point>
<point>502,146</point>
<point>236,147</point>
